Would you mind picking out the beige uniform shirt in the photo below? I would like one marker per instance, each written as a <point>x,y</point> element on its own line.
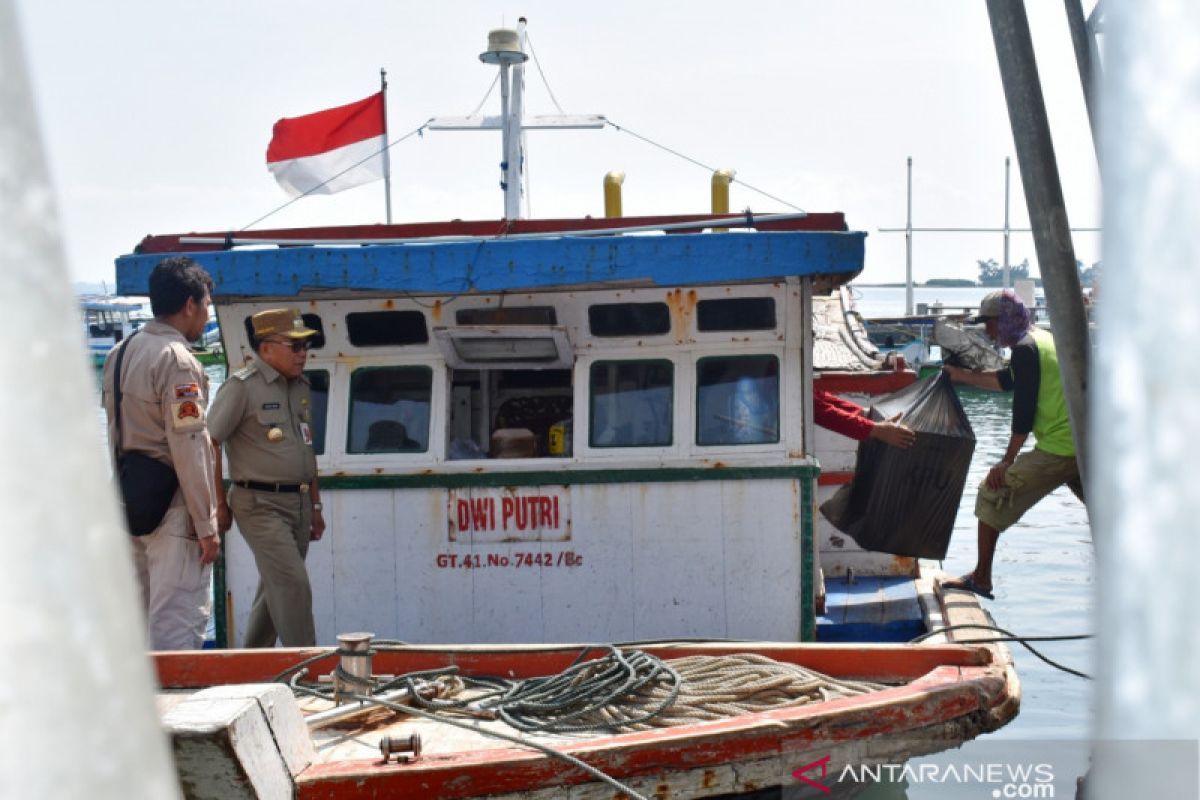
<point>247,407</point>
<point>164,395</point>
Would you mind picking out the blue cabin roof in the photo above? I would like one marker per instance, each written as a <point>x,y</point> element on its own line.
<point>513,264</point>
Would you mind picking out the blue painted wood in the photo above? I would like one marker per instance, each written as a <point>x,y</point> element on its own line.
<point>871,609</point>
<point>498,264</point>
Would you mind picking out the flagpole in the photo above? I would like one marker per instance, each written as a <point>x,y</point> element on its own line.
<point>387,158</point>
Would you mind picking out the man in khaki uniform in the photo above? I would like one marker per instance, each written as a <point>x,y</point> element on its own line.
<point>262,416</point>
<point>164,393</point>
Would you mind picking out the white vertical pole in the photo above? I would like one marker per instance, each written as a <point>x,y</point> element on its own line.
<point>387,151</point>
<point>1143,494</point>
<point>77,713</point>
<point>908,233</point>
<point>1007,229</point>
<point>506,172</point>
<point>513,134</point>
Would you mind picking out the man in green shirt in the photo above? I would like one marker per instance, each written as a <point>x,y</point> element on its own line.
<point>1020,479</point>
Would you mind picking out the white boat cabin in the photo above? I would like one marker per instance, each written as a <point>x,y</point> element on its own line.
<point>605,451</point>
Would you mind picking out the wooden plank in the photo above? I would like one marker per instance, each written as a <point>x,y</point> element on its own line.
<point>189,669</point>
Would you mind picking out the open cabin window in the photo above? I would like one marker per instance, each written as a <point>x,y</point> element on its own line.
<point>737,400</point>
<point>509,413</point>
<point>389,410</point>
<point>632,403</point>
<point>318,380</point>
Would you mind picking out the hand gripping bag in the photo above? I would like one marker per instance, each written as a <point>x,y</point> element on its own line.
<point>904,502</point>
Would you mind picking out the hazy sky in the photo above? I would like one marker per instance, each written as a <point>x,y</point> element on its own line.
<point>156,115</point>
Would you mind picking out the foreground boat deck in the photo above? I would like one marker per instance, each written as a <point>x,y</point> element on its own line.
<point>936,695</point>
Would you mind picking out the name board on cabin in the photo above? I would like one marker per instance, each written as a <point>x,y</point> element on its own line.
<point>483,515</point>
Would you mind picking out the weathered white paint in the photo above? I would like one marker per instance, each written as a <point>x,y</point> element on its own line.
<point>77,713</point>
<point>645,560</point>
<point>1143,489</point>
<point>246,741</point>
<point>618,561</point>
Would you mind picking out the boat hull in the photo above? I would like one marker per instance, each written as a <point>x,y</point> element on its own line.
<point>941,695</point>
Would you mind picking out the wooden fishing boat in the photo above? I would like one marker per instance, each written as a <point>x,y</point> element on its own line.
<point>575,430</point>
<point>933,696</point>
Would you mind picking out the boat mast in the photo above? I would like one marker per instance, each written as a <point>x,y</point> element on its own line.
<point>506,49</point>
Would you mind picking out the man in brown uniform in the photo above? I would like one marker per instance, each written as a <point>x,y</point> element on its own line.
<point>262,416</point>
<point>163,395</point>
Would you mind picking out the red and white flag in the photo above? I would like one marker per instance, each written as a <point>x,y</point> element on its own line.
<point>321,153</point>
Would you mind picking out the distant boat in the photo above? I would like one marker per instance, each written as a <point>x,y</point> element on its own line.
<point>109,319</point>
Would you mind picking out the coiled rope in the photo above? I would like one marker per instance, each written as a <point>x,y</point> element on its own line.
<point>624,690</point>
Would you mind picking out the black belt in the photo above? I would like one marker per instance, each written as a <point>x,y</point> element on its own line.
<point>272,487</point>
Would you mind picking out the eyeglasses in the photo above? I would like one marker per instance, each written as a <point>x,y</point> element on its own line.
<point>296,345</point>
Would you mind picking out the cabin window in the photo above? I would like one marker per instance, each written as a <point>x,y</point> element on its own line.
<point>509,413</point>
<point>631,403</point>
<point>736,314</point>
<point>514,315</point>
<point>310,320</point>
<point>389,410</point>
<point>737,400</point>
<point>318,380</point>
<point>382,328</point>
<point>629,319</point>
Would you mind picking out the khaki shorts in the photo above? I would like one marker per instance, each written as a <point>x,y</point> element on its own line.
<point>1032,476</point>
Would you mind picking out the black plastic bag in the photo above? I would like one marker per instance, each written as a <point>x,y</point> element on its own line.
<point>904,501</point>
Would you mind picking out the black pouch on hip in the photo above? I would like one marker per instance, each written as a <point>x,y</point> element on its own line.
<point>147,487</point>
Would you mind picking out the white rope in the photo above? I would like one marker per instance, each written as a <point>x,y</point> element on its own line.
<point>691,160</point>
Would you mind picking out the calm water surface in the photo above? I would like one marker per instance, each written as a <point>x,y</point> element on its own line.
<point>1043,569</point>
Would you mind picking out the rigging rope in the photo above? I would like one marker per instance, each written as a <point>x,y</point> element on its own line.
<point>701,164</point>
<point>545,82</point>
<point>486,95</point>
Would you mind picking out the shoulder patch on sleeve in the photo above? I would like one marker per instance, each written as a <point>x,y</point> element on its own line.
<point>187,415</point>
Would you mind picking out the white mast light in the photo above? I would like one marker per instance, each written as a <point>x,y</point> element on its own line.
<point>504,47</point>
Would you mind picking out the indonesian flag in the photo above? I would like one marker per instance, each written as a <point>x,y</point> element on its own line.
<point>331,150</point>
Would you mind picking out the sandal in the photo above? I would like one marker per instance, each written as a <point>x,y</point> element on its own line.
<point>967,584</point>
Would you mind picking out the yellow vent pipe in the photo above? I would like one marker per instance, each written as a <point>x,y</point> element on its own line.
<point>721,179</point>
<point>612,193</point>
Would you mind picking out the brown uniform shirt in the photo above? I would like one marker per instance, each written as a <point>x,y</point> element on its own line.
<point>247,407</point>
<point>164,394</point>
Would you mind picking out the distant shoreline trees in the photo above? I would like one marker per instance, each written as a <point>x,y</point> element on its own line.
<point>992,274</point>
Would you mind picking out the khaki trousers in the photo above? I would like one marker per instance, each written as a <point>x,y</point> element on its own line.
<point>175,585</point>
<point>277,527</point>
